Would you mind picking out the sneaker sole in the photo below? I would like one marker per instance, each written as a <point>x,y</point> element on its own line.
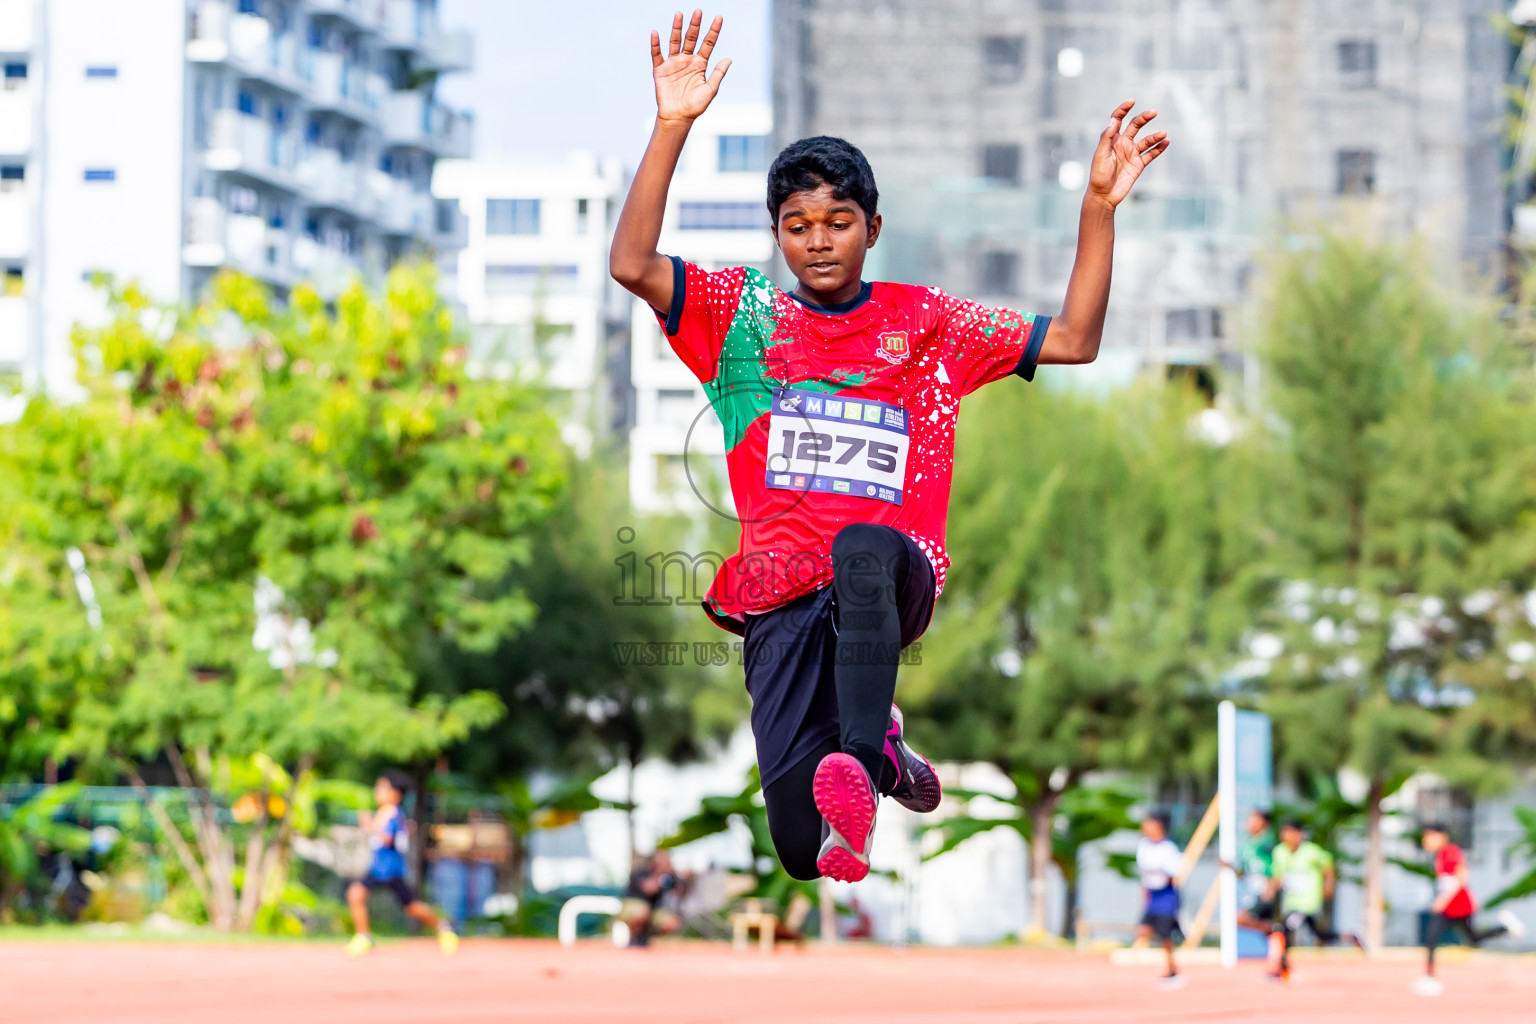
<point>841,791</point>
<point>927,793</point>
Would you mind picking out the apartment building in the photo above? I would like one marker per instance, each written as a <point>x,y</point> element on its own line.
<point>533,279</point>
<point>165,140</point>
<point>717,217</point>
<point>980,118</point>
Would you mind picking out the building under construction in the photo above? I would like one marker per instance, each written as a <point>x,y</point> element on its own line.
<point>1287,116</point>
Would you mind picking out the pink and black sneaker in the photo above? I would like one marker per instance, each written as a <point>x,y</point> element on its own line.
<point>917,785</point>
<point>846,798</point>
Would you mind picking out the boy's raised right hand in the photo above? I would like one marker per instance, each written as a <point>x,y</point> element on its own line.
<point>684,88</point>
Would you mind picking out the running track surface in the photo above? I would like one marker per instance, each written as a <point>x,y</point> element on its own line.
<point>65,982</point>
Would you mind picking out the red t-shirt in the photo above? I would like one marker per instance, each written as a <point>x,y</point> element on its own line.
<point>834,416</point>
<point>1447,861</point>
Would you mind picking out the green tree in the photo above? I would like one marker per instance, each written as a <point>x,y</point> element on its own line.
<point>1070,637</point>
<point>1399,547</point>
<point>277,512</point>
<point>610,674</point>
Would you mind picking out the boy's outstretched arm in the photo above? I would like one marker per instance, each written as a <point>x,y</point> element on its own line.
<point>684,90</point>
<point>1073,337</point>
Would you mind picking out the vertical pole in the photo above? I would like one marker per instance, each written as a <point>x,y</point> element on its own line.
<point>828,913</point>
<point>1226,795</point>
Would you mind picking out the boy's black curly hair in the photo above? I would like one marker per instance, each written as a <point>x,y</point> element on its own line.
<point>822,160</point>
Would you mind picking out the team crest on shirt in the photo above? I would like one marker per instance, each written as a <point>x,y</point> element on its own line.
<point>893,347</point>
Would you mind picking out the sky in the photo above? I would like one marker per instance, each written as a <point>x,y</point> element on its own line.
<point>551,76</point>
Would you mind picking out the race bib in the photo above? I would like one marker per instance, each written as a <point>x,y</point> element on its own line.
<point>847,446</point>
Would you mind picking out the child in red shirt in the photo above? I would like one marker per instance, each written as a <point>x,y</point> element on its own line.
<point>1453,906</point>
<point>839,400</point>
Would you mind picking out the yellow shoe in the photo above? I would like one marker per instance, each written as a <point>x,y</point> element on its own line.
<point>447,941</point>
<point>361,945</point>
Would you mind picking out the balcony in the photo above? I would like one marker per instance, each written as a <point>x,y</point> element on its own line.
<point>364,15</point>
<point>407,24</point>
<point>343,87</point>
<point>408,212</point>
<point>328,180</point>
<point>13,331</point>
<point>451,51</point>
<point>15,224</point>
<point>244,144</point>
<point>245,41</point>
<point>411,119</point>
<point>15,122</point>
<point>15,26</point>
<point>218,238</point>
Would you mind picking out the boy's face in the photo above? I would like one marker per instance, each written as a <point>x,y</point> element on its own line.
<point>1291,836</point>
<point>1152,829</point>
<point>1257,824</point>
<point>824,239</point>
<point>384,793</point>
<point>1433,841</point>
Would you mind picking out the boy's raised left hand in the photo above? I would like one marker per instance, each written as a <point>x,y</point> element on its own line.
<point>1121,157</point>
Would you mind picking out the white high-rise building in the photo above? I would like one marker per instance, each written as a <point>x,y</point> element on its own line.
<point>533,278</point>
<point>717,217</point>
<point>163,140</point>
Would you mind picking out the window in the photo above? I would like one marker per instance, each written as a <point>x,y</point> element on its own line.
<point>527,278</point>
<point>581,216</point>
<point>12,177</point>
<point>248,7</point>
<point>245,102</point>
<point>1002,59</point>
<point>15,76</point>
<point>743,153</point>
<point>721,216</point>
<point>512,216</point>
<point>100,174</point>
<point>1146,55</point>
<point>1186,326</point>
<point>446,216</point>
<point>15,282</point>
<point>1357,172</point>
<point>1000,163</point>
<point>243,199</point>
<point>1357,63</point>
<point>999,273</point>
<point>101,71</point>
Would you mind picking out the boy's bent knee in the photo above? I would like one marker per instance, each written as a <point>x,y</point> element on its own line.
<point>867,538</point>
<point>801,868</point>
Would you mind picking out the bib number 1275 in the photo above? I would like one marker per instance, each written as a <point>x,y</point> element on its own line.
<point>856,447</point>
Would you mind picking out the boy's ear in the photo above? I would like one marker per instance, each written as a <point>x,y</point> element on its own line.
<point>874,231</point>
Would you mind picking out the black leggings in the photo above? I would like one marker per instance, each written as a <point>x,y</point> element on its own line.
<point>1439,926</point>
<point>881,603</point>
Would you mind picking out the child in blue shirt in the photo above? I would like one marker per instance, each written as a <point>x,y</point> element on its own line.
<point>387,868</point>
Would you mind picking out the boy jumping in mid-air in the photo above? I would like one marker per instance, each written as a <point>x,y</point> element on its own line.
<point>1453,906</point>
<point>839,401</point>
<point>387,868</point>
<point>1159,863</point>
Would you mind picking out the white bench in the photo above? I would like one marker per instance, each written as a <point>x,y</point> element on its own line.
<point>606,906</point>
